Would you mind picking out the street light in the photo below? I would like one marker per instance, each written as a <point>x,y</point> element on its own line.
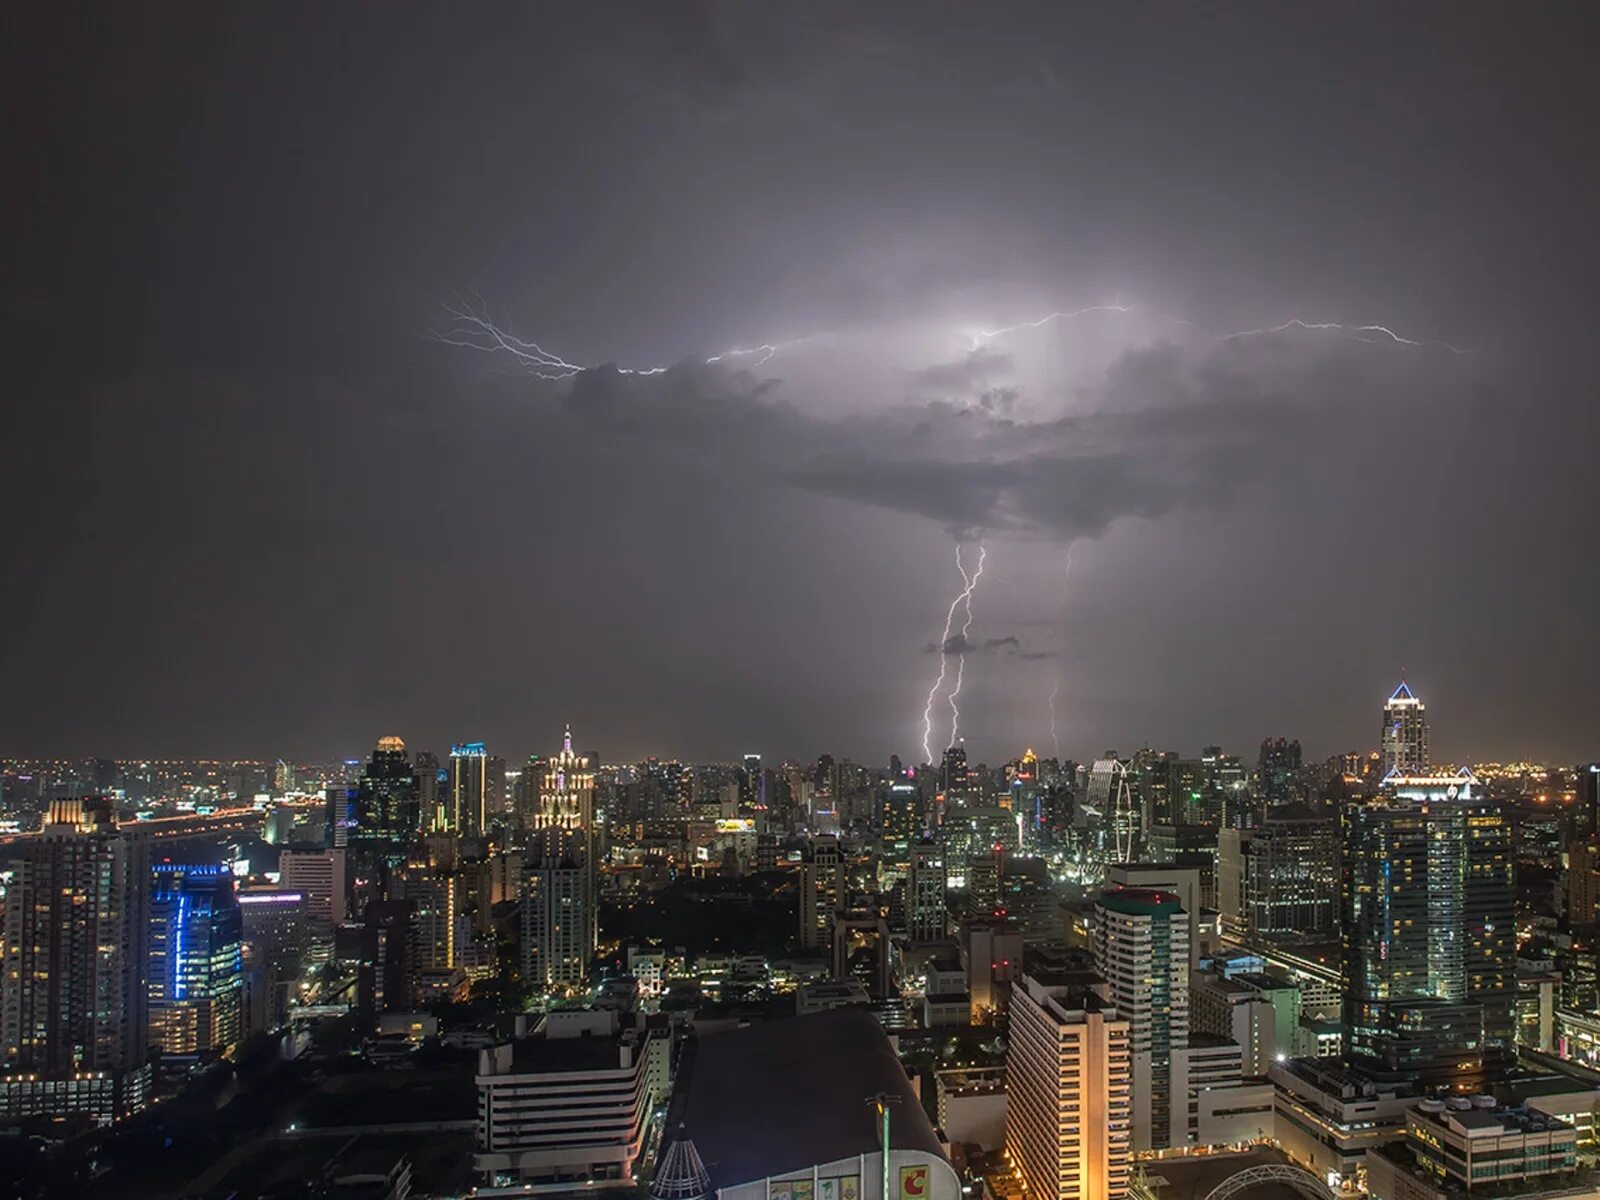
<point>881,1103</point>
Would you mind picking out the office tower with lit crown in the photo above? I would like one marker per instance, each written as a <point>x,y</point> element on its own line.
<point>899,825</point>
<point>566,801</point>
<point>1404,743</point>
<point>560,890</point>
<point>73,986</point>
<point>1429,935</point>
<point>1069,1076</point>
<point>196,959</point>
<point>387,806</point>
<point>467,801</point>
<point>1142,950</point>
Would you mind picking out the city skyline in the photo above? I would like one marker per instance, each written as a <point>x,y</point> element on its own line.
<point>1141,295</point>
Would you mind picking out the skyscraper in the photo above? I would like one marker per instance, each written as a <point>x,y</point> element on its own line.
<point>1276,768</point>
<point>822,891</point>
<point>387,808</point>
<point>467,804</point>
<point>1280,879</point>
<point>196,959</point>
<point>1142,950</point>
<point>1405,734</point>
<point>1068,1093</point>
<point>560,890</point>
<point>566,800</point>
<point>73,984</point>
<point>558,930</point>
<point>925,893</point>
<point>899,824</point>
<point>1428,901</point>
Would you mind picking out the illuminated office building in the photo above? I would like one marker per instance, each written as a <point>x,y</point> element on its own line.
<point>387,804</point>
<point>467,799</point>
<point>1429,935</point>
<point>196,959</point>
<point>1404,742</point>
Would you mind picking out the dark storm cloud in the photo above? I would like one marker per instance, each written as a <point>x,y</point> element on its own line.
<point>250,510</point>
<point>959,643</point>
<point>1167,431</point>
<point>964,375</point>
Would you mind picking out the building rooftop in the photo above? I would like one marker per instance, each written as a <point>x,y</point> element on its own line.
<point>793,1093</point>
<point>1141,902</point>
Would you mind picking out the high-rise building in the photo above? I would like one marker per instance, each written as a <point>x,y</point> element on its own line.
<point>429,809</point>
<point>1280,879</point>
<point>196,959</point>
<point>73,984</point>
<point>387,808</point>
<point>1277,768</point>
<point>1142,950</point>
<point>319,875</point>
<point>1428,902</point>
<point>822,891</point>
<point>433,888</point>
<point>558,927</point>
<point>567,799</point>
<point>1069,1072</point>
<point>467,803</point>
<point>560,892</point>
<point>1405,734</point>
<point>925,893</point>
<point>273,922</point>
<point>899,824</point>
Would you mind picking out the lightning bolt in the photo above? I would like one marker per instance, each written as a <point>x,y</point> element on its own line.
<point>471,327</point>
<point>964,596</point>
<point>1356,332</point>
<point>1361,333</point>
<point>961,662</point>
<point>982,337</point>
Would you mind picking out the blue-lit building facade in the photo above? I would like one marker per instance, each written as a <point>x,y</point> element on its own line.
<point>196,959</point>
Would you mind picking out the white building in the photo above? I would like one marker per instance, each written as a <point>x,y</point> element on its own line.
<point>572,1104</point>
<point>971,1104</point>
<point>1069,1129</point>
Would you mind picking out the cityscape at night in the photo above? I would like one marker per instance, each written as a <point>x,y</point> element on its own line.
<point>697,601</point>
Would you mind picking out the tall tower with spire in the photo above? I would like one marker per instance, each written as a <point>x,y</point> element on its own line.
<point>560,889</point>
<point>567,799</point>
<point>1405,733</point>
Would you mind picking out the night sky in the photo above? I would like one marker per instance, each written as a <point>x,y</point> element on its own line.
<point>255,506</point>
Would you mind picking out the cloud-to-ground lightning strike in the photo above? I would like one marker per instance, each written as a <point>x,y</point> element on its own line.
<point>944,639</point>
<point>961,662</point>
